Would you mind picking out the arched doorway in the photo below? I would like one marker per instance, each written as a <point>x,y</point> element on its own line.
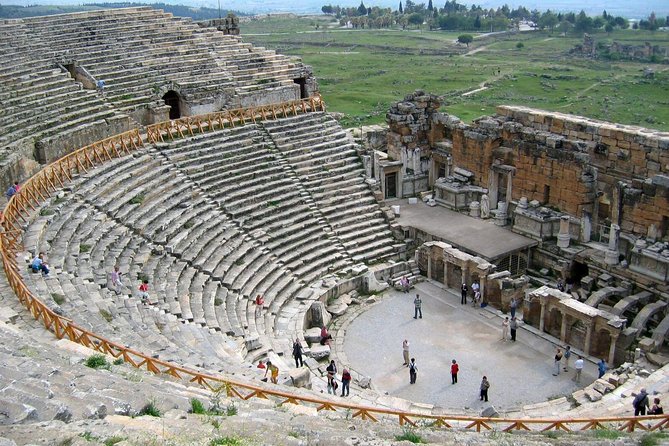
<point>173,100</point>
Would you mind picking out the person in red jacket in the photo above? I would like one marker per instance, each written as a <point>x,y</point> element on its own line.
<point>454,372</point>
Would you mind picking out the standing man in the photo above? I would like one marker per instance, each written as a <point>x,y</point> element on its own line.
<point>454,372</point>
<point>578,366</point>
<point>640,403</point>
<point>413,370</point>
<point>505,328</point>
<point>513,305</point>
<point>602,367</point>
<point>567,355</point>
<point>463,294</point>
<point>558,358</point>
<point>485,385</point>
<point>297,353</point>
<point>513,325</point>
<point>345,382</point>
<point>417,304</point>
<point>405,352</point>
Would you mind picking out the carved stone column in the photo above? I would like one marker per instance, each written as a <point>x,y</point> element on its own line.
<point>563,328</point>
<point>611,256</point>
<point>588,337</point>
<point>542,301</point>
<point>612,348</point>
<point>429,265</point>
<point>563,236</point>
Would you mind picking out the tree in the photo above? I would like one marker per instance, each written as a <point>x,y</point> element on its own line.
<point>466,39</point>
<point>415,19</point>
<point>583,23</point>
<point>327,9</point>
<point>362,9</point>
<point>608,28</point>
<point>449,22</point>
<point>520,45</point>
<point>429,6</point>
<point>477,22</point>
<point>401,12</point>
<point>548,20</point>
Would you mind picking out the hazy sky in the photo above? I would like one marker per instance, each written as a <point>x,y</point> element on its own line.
<point>626,8</point>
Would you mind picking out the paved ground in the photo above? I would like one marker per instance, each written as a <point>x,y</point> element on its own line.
<point>520,373</point>
<point>471,234</point>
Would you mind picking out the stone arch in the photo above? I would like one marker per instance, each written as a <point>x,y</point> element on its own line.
<point>173,100</point>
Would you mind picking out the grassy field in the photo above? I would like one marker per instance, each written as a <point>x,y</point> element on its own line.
<point>360,72</point>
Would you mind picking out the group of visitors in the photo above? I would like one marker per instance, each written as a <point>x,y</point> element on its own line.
<point>641,403</point>
<point>332,384</point>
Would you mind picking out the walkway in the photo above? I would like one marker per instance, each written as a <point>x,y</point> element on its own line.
<point>520,373</point>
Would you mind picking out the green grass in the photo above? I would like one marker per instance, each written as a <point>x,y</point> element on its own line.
<point>97,362</point>
<point>410,435</point>
<point>197,407</point>
<point>607,434</point>
<point>106,315</point>
<point>84,248</point>
<point>137,199</point>
<point>355,77</point>
<point>226,441</point>
<point>150,409</point>
<point>653,439</point>
<point>111,441</point>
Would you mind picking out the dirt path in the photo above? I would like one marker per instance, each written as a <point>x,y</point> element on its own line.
<point>476,50</point>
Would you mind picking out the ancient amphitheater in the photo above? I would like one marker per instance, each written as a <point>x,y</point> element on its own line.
<point>211,169</point>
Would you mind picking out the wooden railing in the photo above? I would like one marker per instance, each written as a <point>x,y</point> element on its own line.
<point>191,125</point>
<point>39,187</point>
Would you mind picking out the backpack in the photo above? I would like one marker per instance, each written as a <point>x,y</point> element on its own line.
<point>637,400</point>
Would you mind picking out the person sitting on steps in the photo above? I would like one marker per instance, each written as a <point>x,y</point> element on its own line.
<point>39,264</point>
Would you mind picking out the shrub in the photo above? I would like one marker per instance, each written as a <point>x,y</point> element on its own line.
<point>218,301</point>
<point>106,315</point>
<point>83,248</point>
<point>118,361</point>
<point>520,45</point>
<point>189,224</point>
<point>231,410</point>
<point>111,441</point>
<point>197,407</point>
<point>409,435</point>
<point>137,199</point>
<point>226,441</point>
<point>150,409</point>
<point>97,362</point>
<point>652,439</point>
<point>58,298</point>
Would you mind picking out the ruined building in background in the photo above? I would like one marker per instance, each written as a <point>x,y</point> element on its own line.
<point>616,50</point>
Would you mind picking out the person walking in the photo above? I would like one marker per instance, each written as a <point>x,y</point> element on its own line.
<point>602,367</point>
<point>578,366</point>
<point>513,325</point>
<point>513,305</point>
<point>485,385</point>
<point>297,353</point>
<point>259,301</point>
<point>567,355</point>
<point>405,352</point>
<point>558,359</point>
<point>413,371</point>
<point>116,282</point>
<point>417,310</point>
<point>455,368</point>
<point>463,294</point>
<point>505,328</point>
<point>345,382</point>
<point>640,403</point>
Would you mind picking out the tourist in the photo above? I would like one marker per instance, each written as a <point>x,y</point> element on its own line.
<point>560,285</point>
<point>475,289</point>
<point>485,385</point>
<point>405,352</point>
<point>274,372</point>
<point>261,365</point>
<point>602,367</point>
<point>463,294</point>
<point>345,382</point>
<point>404,283</point>
<point>100,84</point>
<point>477,298</point>
<point>144,291</point>
<point>413,371</point>
<point>454,372</point>
<point>640,403</point>
<point>505,328</point>
<point>578,366</point>
<point>513,306</point>
<point>558,359</point>
<point>297,353</point>
<point>567,355</point>
<point>332,373</point>
<point>116,280</point>
<point>417,304</point>
<point>39,264</point>
<point>657,408</point>
<point>513,325</point>
<point>11,191</point>
<point>259,301</point>
<point>325,336</point>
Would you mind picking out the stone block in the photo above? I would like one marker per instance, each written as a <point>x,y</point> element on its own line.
<point>647,345</point>
<point>489,412</point>
<point>300,377</point>
<point>253,343</point>
<point>312,335</point>
<point>320,352</point>
<point>602,386</point>
<point>593,395</point>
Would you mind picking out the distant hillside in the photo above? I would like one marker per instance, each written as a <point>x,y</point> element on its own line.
<point>196,13</point>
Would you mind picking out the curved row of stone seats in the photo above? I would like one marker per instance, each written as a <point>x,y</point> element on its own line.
<point>326,162</point>
<point>138,51</point>
<point>238,168</point>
